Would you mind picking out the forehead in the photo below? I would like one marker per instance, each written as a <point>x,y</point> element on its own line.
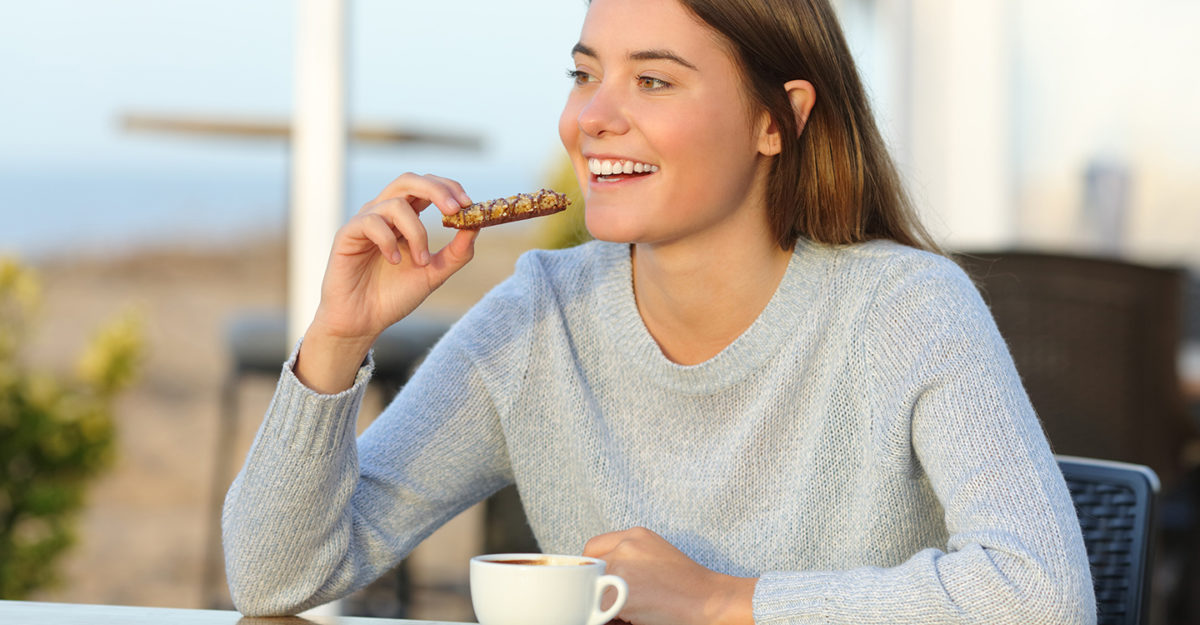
<point>621,27</point>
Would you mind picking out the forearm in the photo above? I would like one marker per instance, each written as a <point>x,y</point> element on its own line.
<point>290,498</point>
<point>973,585</point>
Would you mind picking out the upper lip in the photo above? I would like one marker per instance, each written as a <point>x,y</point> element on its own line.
<point>613,157</point>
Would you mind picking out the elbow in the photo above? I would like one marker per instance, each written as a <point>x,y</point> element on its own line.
<point>252,605</point>
<point>1022,589</point>
<point>1063,591</point>
<point>1080,597</point>
<point>1067,606</point>
<point>264,579</point>
<point>1066,598</point>
<point>256,600</point>
<point>1045,604</point>
<point>261,587</point>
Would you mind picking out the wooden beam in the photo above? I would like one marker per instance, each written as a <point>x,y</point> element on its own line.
<point>279,128</point>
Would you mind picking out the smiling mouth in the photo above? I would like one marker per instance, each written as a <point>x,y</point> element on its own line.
<point>612,170</point>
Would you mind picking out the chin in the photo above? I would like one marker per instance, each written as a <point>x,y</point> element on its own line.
<point>610,235</point>
<point>611,226</point>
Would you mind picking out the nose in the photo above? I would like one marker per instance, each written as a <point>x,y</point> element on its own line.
<point>604,112</point>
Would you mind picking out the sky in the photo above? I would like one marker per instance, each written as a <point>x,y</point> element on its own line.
<point>71,176</point>
<point>1091,78</point>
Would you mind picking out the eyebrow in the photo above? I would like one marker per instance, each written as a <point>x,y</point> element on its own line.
<point>641,55</point>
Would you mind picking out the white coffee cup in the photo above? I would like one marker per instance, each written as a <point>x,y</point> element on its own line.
<point>542,589</point>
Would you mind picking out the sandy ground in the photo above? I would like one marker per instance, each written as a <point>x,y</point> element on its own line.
<point>144,536</point>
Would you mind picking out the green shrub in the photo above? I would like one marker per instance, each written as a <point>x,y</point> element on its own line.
<point>567,229</point>
<point>56,434</point>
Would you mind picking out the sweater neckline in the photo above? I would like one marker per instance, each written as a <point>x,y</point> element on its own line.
<point>789,307</point>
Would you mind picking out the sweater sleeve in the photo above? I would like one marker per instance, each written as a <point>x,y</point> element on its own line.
<point>289,497</point>
<point>1015,553</point>
<point>313,516</point>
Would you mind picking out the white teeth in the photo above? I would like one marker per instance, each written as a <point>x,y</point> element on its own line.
<point>608,168</point>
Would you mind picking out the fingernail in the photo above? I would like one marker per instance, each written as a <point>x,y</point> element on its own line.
<point>396,258</point>
<point>424,258</point>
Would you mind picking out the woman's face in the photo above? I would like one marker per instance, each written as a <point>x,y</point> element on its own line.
<point>657,127</point>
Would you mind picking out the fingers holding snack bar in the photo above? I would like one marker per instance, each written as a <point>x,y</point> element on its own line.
<point>422,190</point>
<point>380,267</point>
<point>392,223</point>
<point>400,204</point>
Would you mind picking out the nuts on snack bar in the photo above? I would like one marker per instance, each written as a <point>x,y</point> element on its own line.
<point>504,210</point>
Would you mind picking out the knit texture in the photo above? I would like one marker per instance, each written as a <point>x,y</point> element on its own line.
<point>865,448</point>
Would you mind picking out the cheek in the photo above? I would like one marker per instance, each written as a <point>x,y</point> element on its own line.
<point>717,161</point>
<point>568,133</point>
<point>731,137</point>
<point>568,125</point>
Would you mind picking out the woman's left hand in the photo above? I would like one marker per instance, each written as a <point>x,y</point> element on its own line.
<point>668,588</point>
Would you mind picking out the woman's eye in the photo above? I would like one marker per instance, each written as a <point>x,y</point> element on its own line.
<point>650,83</point>
<point>580,77</point>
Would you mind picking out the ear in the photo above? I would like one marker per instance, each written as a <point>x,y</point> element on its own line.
<point>802,95</point>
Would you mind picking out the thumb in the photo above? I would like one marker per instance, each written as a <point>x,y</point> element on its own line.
<point>457,253</point>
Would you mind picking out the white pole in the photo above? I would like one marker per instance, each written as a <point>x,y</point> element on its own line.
<point>961,120</point>
<point>318,152</point>
<point>318,170</point>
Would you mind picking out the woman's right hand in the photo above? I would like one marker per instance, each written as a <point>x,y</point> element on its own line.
<point>380,269</point>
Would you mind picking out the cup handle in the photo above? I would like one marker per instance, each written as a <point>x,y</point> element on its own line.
<point>602,583</point>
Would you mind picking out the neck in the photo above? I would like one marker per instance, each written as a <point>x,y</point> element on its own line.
<point>697,297</point>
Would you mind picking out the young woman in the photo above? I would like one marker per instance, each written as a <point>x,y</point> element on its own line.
<point>761,395</point>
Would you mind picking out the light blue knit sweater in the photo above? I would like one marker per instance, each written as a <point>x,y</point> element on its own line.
<point>865,448</point>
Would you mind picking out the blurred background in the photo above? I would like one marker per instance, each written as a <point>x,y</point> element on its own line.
<point>145,175</point>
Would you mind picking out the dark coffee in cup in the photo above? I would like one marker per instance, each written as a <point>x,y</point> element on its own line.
<point>537,562</point>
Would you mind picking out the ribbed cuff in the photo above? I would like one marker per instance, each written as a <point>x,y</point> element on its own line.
<point>793,598</point>
<point>312,422</point>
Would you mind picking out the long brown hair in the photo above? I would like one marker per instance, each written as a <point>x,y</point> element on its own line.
<point>835,182</point>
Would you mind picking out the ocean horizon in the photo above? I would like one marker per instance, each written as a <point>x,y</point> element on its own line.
<point>72,211</point>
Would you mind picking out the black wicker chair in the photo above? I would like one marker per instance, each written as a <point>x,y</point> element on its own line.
<point>1115,502</point>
